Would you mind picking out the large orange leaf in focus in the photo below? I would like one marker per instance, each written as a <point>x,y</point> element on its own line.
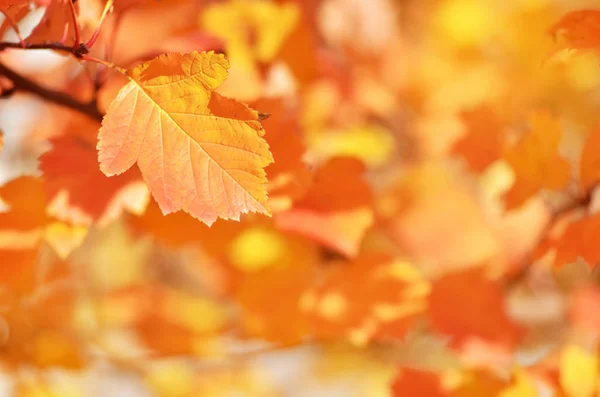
<point>589,168</point>
<point>535,160</point>
<point>580,29</point>
<point>71,167</point>
<point>192,160</point>
<point>483,140</point>
<point>469,305</point>
<point>336,211</point>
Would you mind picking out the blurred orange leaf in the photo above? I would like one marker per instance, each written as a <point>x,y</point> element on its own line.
<point>336,210</point>
<point>589,168</point>
<point>580,29</point>
<point>414,382</point>
<point>453,310</point>
<point>372,298</point>
<point>71,167</point>
<point>56,24</point>
<point>536,161</point>
<point>483,140</point>
<point>578,240</point>
<point>27,202</point>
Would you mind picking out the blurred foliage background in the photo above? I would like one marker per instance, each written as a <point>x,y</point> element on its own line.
<point>426,159</point>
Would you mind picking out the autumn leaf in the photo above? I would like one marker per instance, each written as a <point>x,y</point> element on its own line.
<point>454,312</point>
<point>335,211</point>
<point>579,371</point>
<point>283,322</point>
<point>37,315</point>
<point>414,382</point>
<point>580,29</point>
<point>187,319</point>
<point>209,166</point>
<point>483,140</point>
<point>14,11</point>
<point>419,220</point>
<point>288,175</point>
<point>589,168</point>
<point>70,168</point>
<point>584,310</point>
<point>578,240</point>
<point>56,24</point>
<point>535,160</point>
<point>253,31</point>
<point>373,298</point>
<point>27,204</point>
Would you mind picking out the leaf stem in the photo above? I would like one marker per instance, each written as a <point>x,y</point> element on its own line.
<point>111,65</point>
<point>107,8</point>
<point>15,28</point>
<point>75,24</point>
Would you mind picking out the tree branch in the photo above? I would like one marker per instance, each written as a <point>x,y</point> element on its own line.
<point>22,83</point>
<point>42,46</point>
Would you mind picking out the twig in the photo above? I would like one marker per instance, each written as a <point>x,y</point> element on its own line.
<point>15,28</point>
<point>107,8</point>
<point>77,52</point>
<point>75,24</point>
<point>22,83</point>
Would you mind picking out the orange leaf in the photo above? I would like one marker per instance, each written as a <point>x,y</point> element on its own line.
<point>336,211</point>
<point>482,144</point>
<point>71,167</point>
<point>279,320</point>
<point>579,240</point>
<point>413,382</point>
<point>207,165</point>
<point>427,208</point>
<point>589,168</point>
<point>56,24</point>
<point>469,305</point>
<point>288,175</point>
<point>186,319</point>
<point>14,12</point>
<point>584,310</point>
<point>536,162</point>
<point>27,203</point>
<point>373,298</point>
<point>580,29</point>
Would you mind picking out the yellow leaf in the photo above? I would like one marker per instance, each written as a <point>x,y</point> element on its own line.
<point>578,372</point>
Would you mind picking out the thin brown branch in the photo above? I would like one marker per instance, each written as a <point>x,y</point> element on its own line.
<point>15,28</point>
<point>22,83</point>
<point>61,47</point>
